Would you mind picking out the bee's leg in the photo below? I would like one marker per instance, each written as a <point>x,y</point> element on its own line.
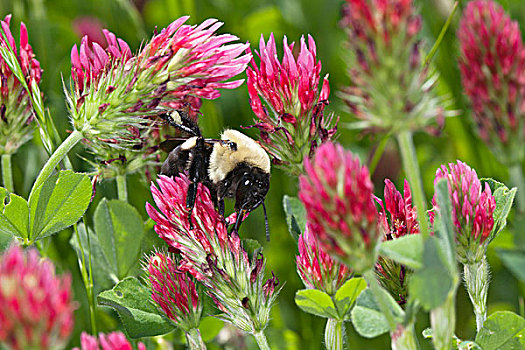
<point>191,195</point>
<point>196,174</point>
<point>220,206</point>
<point>240,214</point>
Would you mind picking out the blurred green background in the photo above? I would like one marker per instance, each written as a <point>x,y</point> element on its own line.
<point>53,29</point>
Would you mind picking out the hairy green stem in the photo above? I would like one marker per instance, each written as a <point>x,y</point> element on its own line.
<point>56,157</point>
<point>122,188</point>
<point>7,173</point>
<point>411,167</point>
<point>261,340</point>
<point>194,339</point>
<point>443,321</point>
<point>476,276</point>
<point>517,179</point>
<point>404,338</point>
<point>333,334</point>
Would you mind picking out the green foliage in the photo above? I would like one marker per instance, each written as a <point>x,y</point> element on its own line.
<point>514,260</point>
<point>316,302</point>
<point>321,304</point>
<point>438,276</point>
<point>136,310</point>
<point>367,318</point>
<point>406,250</point>
<point>504,198</point>
<point>295,215</point>
<point>120,231</point>
<point>57,204</point>
<point>503,330</point>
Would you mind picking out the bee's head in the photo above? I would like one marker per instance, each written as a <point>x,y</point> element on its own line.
<point>252,189</point>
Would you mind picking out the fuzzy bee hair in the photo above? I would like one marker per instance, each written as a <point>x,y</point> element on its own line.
<point>223,160</point>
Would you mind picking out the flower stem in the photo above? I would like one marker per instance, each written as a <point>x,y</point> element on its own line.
<point>441,35</point>
<point>7,173</point>
<point>411,167</point>
<point>333,334</point>
<point>378,153</point>
<point>122,189</point>
<point>476,277</point>
<point>443,321</point>
<point>56,157</point>
<point>404,338</point>
<point>88,283</point>
<point>517,179</point>
<point>194,339</point>
<point>261,340</point>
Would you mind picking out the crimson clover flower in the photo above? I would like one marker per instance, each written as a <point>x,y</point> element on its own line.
<point>16,112</point>
<point>316,268</point>
<point>115,95</point>
<point>289,106</point>
<point>214,257</point>
<point>492,65</point>
<point>338,196</point>
<point>37,307</point>
<point>472,210</point>
<point>174,291</point>
<point>401,220</point>
<point>110,341</point>
<point>390,90</point>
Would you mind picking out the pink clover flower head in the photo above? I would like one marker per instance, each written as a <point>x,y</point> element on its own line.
<point>110,341</point>
<point>91,61</point>
<point>211,255</point>
<point>398,218</point>
<point>338,196</point>
<point>387,66</point>
<point>16,112</point>
<point>116,96</point>
<point>472,209</point>
<point>402,216</point>
<point>37,306</point>
<point>287,101</point>
<point>316,268</point>
<point>174,291</point>
<point>197,60</point>
<point>492,68</point>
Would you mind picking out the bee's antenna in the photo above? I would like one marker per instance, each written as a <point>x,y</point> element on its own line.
<point>266,222</point>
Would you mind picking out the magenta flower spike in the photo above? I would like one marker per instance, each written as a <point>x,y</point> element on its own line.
<point>288,103</point>
<point>214,257</point>
<point>472,210</point>
<point>398,218</point>
<point>492,65</point>
<point>37,306</point>
<point>16,112</point>
<point>316,268</point>
<point>115,96</point>
<point>338,196</point>
<point>174,291</point>
<point>390,90</point>
<point>110,341</point>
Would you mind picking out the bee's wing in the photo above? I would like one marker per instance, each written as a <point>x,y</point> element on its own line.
<point>171,143</point>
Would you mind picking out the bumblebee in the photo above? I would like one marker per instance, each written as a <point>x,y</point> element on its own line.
<point>234,166</point>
